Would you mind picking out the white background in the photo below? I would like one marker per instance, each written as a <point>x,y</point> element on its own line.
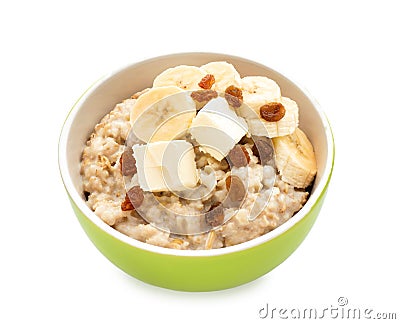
<point>345,53</point>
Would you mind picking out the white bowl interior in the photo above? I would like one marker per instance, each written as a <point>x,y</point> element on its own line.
<point>110,90</point>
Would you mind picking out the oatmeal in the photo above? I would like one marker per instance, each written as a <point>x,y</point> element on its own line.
<point>204,159</point>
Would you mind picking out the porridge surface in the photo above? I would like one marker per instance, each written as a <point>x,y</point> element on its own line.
<point>102,178</point>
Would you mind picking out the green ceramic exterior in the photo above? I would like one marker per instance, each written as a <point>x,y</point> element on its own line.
<point>200,273</point>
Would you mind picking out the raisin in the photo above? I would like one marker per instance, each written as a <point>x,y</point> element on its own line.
<point>238,156</point>
<point>207,82</point>
<point>272,111</point>
<point>204,95</point>
<point>263,149</point>
<point>133,199</point>
<point>128,162</point>
<point>233,101</point>
<point>215,216</point>
<point>236,191</point>
<point>136,196</point>
<point>234,91</point>
<point>234,96</point>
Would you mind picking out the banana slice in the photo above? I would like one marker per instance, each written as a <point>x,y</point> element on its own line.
<point>224,73</point>
<point>185,77</point>
<point>259,90</point>
<point>149,98</point>
<point>162,114</point>
<point>260,127</point>
<point>295,159</point>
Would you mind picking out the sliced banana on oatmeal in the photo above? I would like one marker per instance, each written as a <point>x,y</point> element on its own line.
<point>224,73</point>
<point>262,122</point>
<point>266,112</point>
<point>295,159</point>
<point>259,90</point>
<point>186,77</point>
<point>162,114</point>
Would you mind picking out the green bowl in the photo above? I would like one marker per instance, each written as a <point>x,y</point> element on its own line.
<point>190,270</point>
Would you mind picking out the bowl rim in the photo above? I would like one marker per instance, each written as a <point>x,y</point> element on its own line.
<point>74,196</point>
